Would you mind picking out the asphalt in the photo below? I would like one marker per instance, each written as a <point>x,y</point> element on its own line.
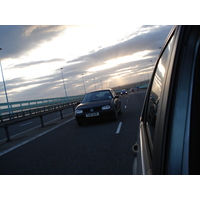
<point>30,135</point>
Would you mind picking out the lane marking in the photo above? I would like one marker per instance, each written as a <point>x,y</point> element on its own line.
<point>33,138</point>
<point>119,128</point>
<point>125,106</point>
<point>26,123</point>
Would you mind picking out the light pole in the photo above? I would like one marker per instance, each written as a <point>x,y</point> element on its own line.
<point>4,84</point>
<point>64,83</point>
<point>83,84</point>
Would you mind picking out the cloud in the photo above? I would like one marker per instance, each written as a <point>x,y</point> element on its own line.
<point>21,39</point>
<point>17,40</point>
<point>148,39</point>
<point>38,30</point>
<point>20,89</point>
<point>145,41</point>
<point>22,65</point>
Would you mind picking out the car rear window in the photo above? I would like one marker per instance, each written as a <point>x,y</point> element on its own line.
<point>97,96</point>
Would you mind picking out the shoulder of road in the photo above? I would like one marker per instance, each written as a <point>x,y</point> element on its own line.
<point>31,135</point>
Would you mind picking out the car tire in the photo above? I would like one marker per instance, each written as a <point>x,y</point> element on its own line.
<point>79,123</point>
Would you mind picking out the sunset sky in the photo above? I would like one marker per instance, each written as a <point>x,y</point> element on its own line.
<point>100,56</point>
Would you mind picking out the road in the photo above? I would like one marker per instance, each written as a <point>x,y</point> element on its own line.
<point>17,129</point>
<point>94,149</point>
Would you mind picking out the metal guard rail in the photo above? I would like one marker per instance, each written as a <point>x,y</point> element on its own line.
<point>29,114</point>
<point>35,111</point>
<point>32,104</point>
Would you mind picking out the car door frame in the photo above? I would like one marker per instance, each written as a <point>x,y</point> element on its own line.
<point>169,141</point>
<point>150,160</point>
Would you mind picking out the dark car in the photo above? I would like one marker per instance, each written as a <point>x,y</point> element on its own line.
<point>168,138</point>
<point>134,89</point>
<point>100,104</point>
<point>123,91</point>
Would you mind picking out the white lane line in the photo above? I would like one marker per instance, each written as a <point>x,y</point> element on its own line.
<point>125,106</point>
<point>119,128</point>
<point>26,124</point>
<point>33,138</point>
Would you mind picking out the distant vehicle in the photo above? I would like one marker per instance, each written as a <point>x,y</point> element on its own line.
<point>134,89</point>
<point>168,137</point>
<point>124,91</point>
<point>100,104</point>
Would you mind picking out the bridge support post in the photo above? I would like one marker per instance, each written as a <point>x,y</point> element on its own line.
<point>73,108</point>
<point>42,122</point>
<point>61,114</point>
<point>7,134</point>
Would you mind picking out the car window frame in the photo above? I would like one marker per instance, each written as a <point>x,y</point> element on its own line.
<point>144,128</point>
<point>178,152</point>
<point>194,153</point>
<point>163,151</point>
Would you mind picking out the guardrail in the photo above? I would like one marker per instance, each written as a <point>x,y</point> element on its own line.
<point>34,111</point>
<point>20,106</point>
<point>25,110</point>
<point>10,119</point>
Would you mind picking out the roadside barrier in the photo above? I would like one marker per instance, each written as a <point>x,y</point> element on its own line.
<point>36,108</point>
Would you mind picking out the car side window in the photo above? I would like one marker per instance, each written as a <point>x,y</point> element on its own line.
<point>156,89</point>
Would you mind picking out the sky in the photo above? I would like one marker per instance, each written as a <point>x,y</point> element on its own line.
<point>94,56</point>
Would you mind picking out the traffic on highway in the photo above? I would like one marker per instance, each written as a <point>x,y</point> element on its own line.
<point>62,147</point>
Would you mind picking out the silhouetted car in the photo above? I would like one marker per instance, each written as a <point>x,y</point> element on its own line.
<point>123,91</point>
<point>134,89</point>
<point>100,104</point>
<point>168,138</point>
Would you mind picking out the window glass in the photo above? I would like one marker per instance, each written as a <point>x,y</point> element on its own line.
<point>97,96</point>
<point>157,87</point>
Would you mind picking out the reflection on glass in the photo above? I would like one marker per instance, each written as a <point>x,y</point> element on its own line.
<point>157,87</point>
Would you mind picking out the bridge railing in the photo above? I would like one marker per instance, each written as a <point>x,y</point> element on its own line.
<point>21,106</point>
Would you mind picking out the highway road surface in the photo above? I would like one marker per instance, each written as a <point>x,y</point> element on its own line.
<point>64,148</point>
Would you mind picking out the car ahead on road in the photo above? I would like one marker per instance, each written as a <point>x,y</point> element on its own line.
<point>123,91</point>
<point>134,89</point>
<point>168,139</point>
<point>100,104</point>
